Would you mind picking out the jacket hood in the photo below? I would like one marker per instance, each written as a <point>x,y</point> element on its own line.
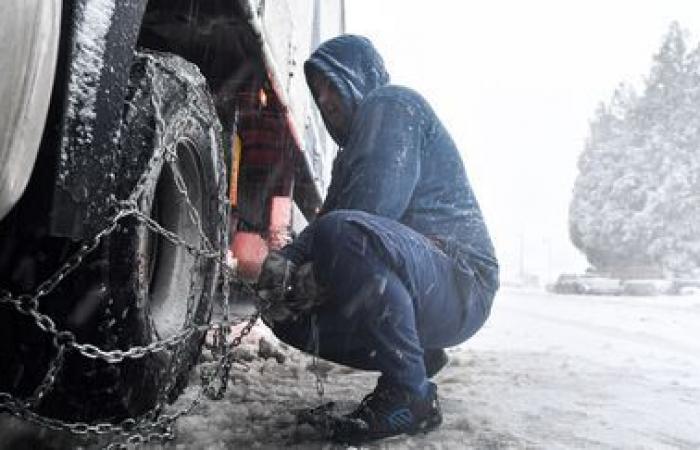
<point>353,66</point>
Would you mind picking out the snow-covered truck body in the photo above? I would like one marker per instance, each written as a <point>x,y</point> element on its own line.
<point>175,129</point>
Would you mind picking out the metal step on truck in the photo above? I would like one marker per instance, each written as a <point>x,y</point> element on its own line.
<point>149,149</point>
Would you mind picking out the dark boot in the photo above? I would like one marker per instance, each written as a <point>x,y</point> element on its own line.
<point>388,411</point>
<point>435,360</point>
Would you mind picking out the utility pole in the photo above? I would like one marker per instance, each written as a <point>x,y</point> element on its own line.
<point>522,256</point>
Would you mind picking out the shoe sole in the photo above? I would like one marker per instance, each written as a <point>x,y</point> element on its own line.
<point>422,428</point>
<point>426,426</point>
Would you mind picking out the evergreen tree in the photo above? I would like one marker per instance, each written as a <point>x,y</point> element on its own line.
<point>636,201</point>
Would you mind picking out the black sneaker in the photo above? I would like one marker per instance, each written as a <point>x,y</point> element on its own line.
<point>434,360</point>
<point>389,411</point>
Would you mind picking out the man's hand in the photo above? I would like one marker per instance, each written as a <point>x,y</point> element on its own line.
<point>274,285</point>
<point>306,292</point>
<point>288,290</point>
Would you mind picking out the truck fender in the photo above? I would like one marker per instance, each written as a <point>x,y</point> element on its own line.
<point>89,163</point>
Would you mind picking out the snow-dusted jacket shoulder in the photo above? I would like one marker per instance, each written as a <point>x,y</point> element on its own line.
<point>379,168</point>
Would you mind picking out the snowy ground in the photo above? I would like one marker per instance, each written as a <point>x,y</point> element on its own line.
<point>547,371</point>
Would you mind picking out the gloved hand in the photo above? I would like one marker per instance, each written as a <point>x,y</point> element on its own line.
<point>306,293</point>
<point>288,290</point>
<point>274,285</point>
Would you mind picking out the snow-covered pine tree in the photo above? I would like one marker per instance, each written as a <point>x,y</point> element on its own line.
<point>636,201</point>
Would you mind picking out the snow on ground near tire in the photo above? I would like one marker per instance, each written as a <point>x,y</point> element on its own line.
<point>546,371</point>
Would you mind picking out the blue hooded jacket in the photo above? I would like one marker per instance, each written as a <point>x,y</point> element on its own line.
<point>397,160</point>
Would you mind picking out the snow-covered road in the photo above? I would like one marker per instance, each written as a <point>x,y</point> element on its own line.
<point>565,371</point>
<point>547,371</point>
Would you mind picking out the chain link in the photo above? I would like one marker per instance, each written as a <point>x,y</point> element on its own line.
<point>320,388</point>
<point>135,352</point>
<point>182,189</point>
<point>226,358</point>
<point>173,237</point>
<point>49,380</point>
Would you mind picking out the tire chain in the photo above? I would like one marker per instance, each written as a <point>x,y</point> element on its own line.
<point>135,432</point>
<point>153,426</point>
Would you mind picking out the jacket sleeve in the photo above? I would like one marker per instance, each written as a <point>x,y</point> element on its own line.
<point>299,250</point>
<point>380,165</point>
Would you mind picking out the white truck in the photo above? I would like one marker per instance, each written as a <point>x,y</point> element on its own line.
<point>141,142</point>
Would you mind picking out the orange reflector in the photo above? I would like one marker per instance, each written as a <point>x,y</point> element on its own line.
<point>235,169</point>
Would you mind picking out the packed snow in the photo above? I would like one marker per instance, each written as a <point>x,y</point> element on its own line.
<point>86,67</point>
<point>547,371</point>
<point>89,48</point>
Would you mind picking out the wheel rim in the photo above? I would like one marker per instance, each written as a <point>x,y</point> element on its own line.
<point>172,272</point>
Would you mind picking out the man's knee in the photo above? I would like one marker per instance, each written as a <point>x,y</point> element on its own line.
<point>333,230</point>
<point>339,245</point>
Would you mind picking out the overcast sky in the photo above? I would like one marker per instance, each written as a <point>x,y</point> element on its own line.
<point>516,83</point>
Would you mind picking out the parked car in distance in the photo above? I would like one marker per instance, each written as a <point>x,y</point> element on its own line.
<point>586,284</point>
<point>649,288</point>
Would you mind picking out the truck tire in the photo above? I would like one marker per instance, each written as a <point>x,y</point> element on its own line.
<point>137,287</point>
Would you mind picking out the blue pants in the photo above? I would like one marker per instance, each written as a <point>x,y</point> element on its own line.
<point>393,293</point>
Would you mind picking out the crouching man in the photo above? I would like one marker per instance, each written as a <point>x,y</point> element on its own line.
<point>398,265</point>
